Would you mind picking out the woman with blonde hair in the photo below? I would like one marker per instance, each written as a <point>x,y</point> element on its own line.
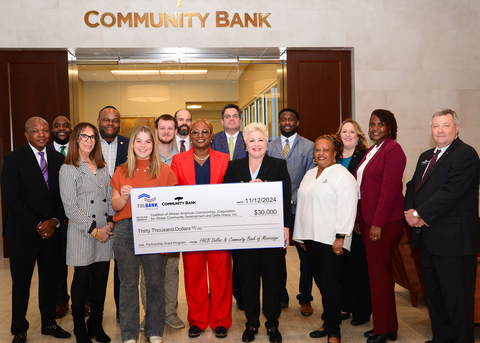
<point>142,169</point>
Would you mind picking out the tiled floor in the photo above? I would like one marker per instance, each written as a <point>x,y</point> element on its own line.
<point>414,324</point>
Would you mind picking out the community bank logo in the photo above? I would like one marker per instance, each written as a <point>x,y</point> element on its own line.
<point>150,202</point>
<point>178,201</point>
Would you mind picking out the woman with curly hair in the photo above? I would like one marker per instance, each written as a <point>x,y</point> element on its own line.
<point>327,202</point>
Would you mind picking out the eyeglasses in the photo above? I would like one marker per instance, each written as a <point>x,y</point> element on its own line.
<point>203,132</point>
<point>84,137</point>
<point>233,116</point>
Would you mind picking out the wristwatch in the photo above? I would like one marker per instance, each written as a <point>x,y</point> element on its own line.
<point>340,236</point>
<point>415,214</point>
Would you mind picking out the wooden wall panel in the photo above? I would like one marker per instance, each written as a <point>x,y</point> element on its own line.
<point>319,87</point>
<point>32,83</point>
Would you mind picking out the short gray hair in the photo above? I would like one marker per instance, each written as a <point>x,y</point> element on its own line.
<point>254,127</point>
<point>444,112</point>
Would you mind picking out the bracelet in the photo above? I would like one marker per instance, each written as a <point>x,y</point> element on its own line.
<point>97,234</point>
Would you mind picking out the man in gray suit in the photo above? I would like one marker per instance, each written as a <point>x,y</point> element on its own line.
<point>298,152</point>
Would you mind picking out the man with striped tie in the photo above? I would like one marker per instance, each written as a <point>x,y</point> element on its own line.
<point>298,152</point>
<point>61,130</point>
<point>30,191</point>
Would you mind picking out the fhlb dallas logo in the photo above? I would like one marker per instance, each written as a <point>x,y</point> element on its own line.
<point>149,202</point>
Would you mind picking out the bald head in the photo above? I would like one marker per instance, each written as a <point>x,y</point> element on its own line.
<point>31,120</point>
<point>184,119</point>
<point>37,132</point>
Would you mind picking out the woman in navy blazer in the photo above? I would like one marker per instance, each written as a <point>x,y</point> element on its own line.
<point>380,215</point>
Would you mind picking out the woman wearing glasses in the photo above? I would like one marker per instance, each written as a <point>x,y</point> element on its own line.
<point>85,191</point>
<point>202,165</point>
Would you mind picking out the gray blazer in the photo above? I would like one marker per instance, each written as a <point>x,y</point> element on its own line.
<point>299,161</point>
<point>86,197</point>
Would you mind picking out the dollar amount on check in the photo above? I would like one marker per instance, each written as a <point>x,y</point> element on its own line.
<point>207,217</point>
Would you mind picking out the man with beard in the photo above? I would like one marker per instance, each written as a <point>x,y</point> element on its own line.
<point>298,152</point>
<point>166,129</point>
<point>182,139</point>
<point>114,150</point>
<point>61,130</point>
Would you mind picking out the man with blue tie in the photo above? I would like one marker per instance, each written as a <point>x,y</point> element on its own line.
<point>30,191</point>
<point>298,152</point>
<point>61,130</point>
<point>230,141</point>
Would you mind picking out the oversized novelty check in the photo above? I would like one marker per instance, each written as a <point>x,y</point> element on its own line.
<point>207,217</point>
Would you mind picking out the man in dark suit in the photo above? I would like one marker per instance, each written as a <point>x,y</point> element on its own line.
<point>115,151</point>
<point>30,191</point>
<point>61,130</point>
<point>441,205</point>
<point>231,142</point>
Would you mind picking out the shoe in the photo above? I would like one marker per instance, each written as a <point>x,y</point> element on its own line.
<point>334,336</point>
<point>429,342</point>
<point>56,331</point>
<point>383,337</point>
<point>156,339</point>
<point>194,331</point>
<point>94,323</point>
<point>318,333</point>
<point>87,309</point>
<point>220,332</point>
<point>356,322</point>
<point>306,309</point>
<point>174,322</point>
<point>240,305</point>
<point>130,341</point>
<point>345,315</point>
<point>249,334</point>
<point>369,333</point>
<point>62,310</point>
<point>20,337</point>
<point>275,335</point>
<point>142,325</point>
<point>283,305</point>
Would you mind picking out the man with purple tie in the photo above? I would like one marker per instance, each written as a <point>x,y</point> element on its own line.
<point>30,191</point>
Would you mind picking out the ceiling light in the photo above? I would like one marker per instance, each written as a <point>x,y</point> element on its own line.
<point>194,106</point>
<point>135,72</point>
<point>184,71</point>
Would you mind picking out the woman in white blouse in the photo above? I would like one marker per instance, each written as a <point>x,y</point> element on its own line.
<point>326,209</point>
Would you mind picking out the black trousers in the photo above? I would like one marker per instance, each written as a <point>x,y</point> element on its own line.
<point>327,270</point>
<point>23,257</point>
<point>450,290</point>
<point>269,265</point>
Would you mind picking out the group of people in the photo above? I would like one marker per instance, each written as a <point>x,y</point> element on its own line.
<point>343,208</point>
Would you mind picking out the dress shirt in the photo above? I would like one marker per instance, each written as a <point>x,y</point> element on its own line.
<point>442,150</point>
<point>234,137</point>
<point>109,151</point>
<point>291,139</point>
<point>187,142</point>
<point>362,166</point>
<point>35,152</point>
<point>57,147</point>
<point>327,205</point>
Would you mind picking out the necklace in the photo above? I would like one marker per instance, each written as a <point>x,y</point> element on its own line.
<point>144,170</point>
<point>201,159</point>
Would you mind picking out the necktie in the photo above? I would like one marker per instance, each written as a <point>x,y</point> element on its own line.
<point>430,165</point>
<point>43,167</point>
<point>286,149</point>
<point>230,147</point>
<point>182,146</point>
<point>62,150</point>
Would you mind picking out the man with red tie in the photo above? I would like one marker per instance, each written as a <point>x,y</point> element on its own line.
<point>441,205</point>
<point>182,140</point>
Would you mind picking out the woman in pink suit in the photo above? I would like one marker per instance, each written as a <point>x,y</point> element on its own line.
<point>380,218</point>
<point>202,165</point>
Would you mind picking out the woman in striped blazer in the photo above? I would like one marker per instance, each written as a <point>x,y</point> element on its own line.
<point>86,192</point>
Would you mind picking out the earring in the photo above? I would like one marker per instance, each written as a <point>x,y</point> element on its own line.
<point>314,162</point>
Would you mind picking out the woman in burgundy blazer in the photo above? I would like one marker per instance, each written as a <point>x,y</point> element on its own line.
<point>380,215</point>
<point>202,165</point>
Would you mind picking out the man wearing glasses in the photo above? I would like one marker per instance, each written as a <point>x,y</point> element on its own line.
<point>114,150</point>
<point>231,142</point>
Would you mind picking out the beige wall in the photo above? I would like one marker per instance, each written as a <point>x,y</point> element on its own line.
<point>410,56</point>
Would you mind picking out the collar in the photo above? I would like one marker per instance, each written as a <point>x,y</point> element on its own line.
<point>291,139</point>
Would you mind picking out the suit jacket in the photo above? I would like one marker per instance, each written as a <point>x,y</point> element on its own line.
<point>26,195</point>
<point>86,197</point>
<point>272,169</point>
<point>122,150</point>
<point>381,189</point>
<point>299,161</point>
<point>220,143</point>
<point>447,201</point>
<point>183,165</point>
<point>357,157</point>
